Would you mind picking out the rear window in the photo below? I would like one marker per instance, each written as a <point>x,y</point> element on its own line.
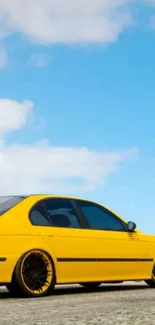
<point>8,202</point>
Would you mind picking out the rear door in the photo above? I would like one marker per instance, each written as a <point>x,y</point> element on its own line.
<point>120,254</point>
<point>65,230</point>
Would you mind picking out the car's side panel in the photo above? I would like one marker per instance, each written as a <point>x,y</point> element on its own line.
<point>79,255</point>
<point>86,255</point>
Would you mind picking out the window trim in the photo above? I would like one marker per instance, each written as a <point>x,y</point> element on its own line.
<point>29,214</point>
<point>125,230</point>
<point>84,223</point>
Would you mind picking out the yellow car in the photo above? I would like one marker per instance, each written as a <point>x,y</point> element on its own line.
<point>47,240</point>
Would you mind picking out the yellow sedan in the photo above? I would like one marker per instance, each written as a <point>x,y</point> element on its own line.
<point>47,240</point>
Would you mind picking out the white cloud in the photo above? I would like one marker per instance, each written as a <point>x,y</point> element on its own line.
<point>65,21</point>
<point>13,115</point>
<point>41,167</point>
<point>39,60</point>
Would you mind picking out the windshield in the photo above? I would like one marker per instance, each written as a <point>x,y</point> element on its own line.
<point>8,202</point>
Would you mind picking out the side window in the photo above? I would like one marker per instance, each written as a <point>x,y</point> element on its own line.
<point>38,216</point>
<point>61,213</point>
<point>99,218</point>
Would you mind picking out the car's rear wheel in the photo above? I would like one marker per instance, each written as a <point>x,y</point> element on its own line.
<point>91,285</point>
<point>34,275</point>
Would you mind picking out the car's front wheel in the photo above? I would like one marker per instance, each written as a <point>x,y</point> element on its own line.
<point>150,283</point>
<point>34,275</point>
<point>91,285</point>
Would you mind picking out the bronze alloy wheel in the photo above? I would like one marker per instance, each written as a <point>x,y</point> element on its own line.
<point>34,275</point>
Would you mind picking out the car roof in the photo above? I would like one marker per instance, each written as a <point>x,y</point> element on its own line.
<point>44,195</point>
<point>50,195</point>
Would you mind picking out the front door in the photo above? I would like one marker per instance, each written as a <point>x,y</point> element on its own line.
<point>121,254</point>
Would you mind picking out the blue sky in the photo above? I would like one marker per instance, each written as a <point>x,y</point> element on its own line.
<point>94,94</point>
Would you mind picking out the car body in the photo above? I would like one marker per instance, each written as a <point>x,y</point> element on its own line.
<point>68,240</point>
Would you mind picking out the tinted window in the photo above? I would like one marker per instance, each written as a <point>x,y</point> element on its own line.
<point>38,216</point>
<point>100,218</point>
<point>8,202</point>
<point>61,213</point>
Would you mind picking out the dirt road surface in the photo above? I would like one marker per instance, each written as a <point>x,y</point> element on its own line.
<point>129,303</point>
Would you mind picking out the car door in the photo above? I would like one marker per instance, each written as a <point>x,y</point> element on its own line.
<point>120,255</point>
<point>65,232</point>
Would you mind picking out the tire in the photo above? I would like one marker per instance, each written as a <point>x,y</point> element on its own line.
<point>34,275</point>
<point>91,285</point>
<point>13,289</point>
<point>150,283</point>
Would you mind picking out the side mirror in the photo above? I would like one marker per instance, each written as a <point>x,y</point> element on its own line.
<point>131,226</point>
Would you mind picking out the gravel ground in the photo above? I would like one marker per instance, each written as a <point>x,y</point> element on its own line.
<point>129,303</point>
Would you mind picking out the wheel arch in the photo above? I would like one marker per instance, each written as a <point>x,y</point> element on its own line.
<point>43,249</point>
